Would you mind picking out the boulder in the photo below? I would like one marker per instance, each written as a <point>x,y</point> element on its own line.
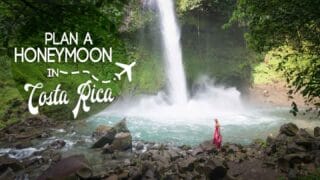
<point>122,142</point>
<point>13,164</point>
<point>294,148</point>
<point>107,138</point>
<point>7,174</point>
<point>174,155</point>
<point>296,158</point>
<point>289,129</point>
<point>70,167</point>
<point>208,147</point>
<point>270,140</point>
<point>139,146</point>
<point>196,151</point>
<point>214,169</point>
<point>316,132</point>
<point>303,133</point>
<point>271,149</point>
<point>121,126</point>
<point>187,164</point>
<point>100,131</point>
<point>107,135</point>
<point>57,144</point>
<point>231,148</point>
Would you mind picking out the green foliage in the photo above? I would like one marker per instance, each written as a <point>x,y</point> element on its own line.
<point>149,74</point>
<point>265,72</point>
<point>24,22</point>
<point>136,16</point>
<point>222,8</point>
<point>218,53</point>
<point>302,71</point>
<point>9,95</point>
<point>187,5</point>
<point>293,29</point>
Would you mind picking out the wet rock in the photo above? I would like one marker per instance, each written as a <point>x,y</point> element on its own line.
<point>208,147</point>
<point>294,148</point>
<point>317,161</point>
<point>231,148</point>
<point>304,134</point>
<point>187,164</point>
<point>316,132</point>
<point>283,164</point>
<point>197,151</point>
<point>13,164</point>
<point>121,126</point>
<point>270,140</point>
<point>51,155</point>
<point>306,143</point>
<point>100,131</point>
<point>109,134</point>
<point>57,144</point>
<point>70,167</point>
<point>296,158</point>
<point>7,174</point>
<point>185,147</point>
<point>135,173</point>
<point>271,149</point>
<point>292,174</point>
<point>139,146</point>
<point>107,138</point>
<point>289,129</point>
<point>174,155</point>
<point>121,142</point>
<point>112,177</point>
<point>215,169</point>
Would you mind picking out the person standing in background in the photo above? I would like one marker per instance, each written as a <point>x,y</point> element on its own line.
<point>217,138</point>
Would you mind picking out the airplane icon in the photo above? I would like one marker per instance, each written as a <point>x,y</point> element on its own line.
<point>126,69</point>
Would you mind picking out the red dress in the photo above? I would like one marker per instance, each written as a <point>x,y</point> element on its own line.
<point>217,138</point>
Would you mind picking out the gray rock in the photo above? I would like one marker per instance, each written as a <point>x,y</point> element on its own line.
<point>197,151</point>
<point>70,167</point>
<point>271,149</point>
<point>121,126</point>
<point>187,164</point>
<point>232,148</point>
<point>316,132</point>
<point>174,155</point>
<point>13,164</point>
<point>107,135</point>
<point>303,133</point>
<point>208,147</point>
<point>270,140</point>
<point>105,139</point>
<point>7,174</point>
<point>294,148</point>
<point>122,142</point>
<point>214,169</point>
<point>139,146</point>
<point>289,129</point>
<point>297,158</point>
<point>101,130</point>
<point>57,144</point>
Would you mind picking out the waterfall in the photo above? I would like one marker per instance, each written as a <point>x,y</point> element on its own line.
<point>176,80</point>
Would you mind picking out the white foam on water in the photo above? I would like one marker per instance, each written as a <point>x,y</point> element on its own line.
<point>19,153</point>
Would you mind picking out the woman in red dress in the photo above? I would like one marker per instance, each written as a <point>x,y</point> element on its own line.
<point>217,138</point>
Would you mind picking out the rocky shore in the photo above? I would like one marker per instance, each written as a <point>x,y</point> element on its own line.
<point>292,154</point>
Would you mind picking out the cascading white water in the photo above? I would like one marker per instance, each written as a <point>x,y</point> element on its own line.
<point>177,88</point>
